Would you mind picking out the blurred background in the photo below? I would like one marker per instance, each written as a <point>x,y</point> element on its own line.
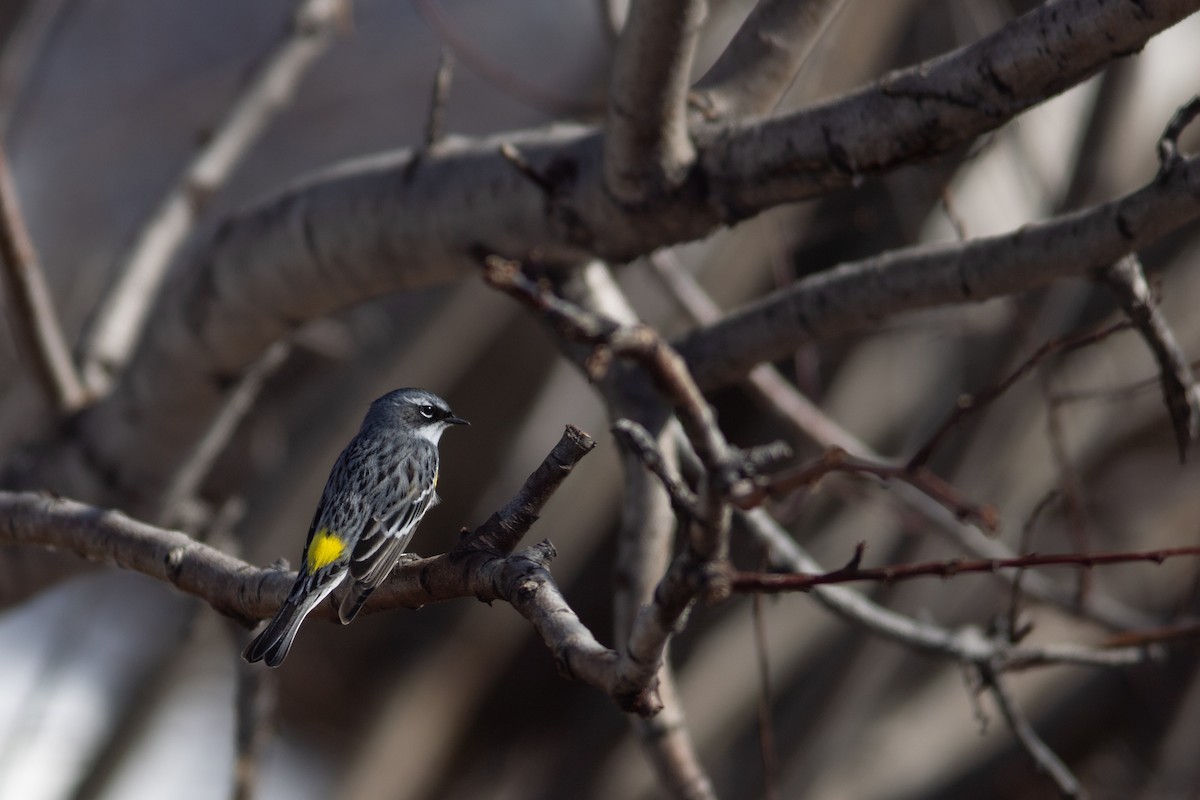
<point>117,687</point>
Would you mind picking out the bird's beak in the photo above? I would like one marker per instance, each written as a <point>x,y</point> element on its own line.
<point>453,420</point>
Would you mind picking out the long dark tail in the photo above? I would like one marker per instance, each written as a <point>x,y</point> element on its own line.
<point>272,645</point>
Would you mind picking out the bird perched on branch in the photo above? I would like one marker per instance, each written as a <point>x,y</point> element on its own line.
<point>382,484</point>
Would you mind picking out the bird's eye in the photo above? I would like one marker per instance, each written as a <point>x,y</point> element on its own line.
<point>426,411</point>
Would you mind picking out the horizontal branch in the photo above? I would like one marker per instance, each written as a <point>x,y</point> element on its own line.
<point>381,224</point>
<point>772,582</point>
<point>482,565</point>
<point>855,296</point>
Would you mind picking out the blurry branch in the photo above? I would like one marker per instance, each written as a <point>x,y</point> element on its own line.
<point>646,534</point>
<point>1128,282</point>
<point>985,516</point>
<point>34,324</point>
<point>970,403</point>
<point>118,322</point>
<point>1046,759</point>
<point>313,250</point>
<point>21,51</point>
<point>254,707</point>
<point>967,644</point>
<point>1168,144</point>
<point>856,295</point>
<point>772,582</point>
<point>755,70</point>
<point>186,482</point>
<point>647,145</point>
<point>435,126</point>
<point>494,72</point>
<point>808,420</point>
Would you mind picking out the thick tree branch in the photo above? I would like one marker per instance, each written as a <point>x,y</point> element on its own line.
<point>31,311</point>
<point>647,145</point>
<point>373,227</point>
<point>854,296</point>
<point>757,67</point>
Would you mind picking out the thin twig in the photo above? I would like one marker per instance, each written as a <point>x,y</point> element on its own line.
<point>773,582</point>
<point>1045,758</point>
<point>35,325</point>
<point>495,73</point>
<point>118,323</point>
<point>967,644</point>
<point>1017,631</point>
<point>970,403</point>
<point>188,478</point>
<point>634,437</point>
<point>22,48</point>
<point>435,126</point>
<point>766,730</point>
<point>985,516</point>
<point>1070,486</point>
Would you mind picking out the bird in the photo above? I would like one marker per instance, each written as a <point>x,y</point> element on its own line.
<point>377,492</point>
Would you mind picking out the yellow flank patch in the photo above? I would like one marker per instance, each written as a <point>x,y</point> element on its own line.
<point>435,477</point>
<point>325,548</point>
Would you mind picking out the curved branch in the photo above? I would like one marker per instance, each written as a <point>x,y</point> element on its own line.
<point>855,296</point>
<point>755,70</point>
<point>383,224</point>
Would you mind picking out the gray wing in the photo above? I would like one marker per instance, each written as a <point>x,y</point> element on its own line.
<point>398,502</point>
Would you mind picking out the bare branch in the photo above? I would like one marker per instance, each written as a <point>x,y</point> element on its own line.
<point>22,47</point>
<point>192,472</point>
<point>970,403</point>
<point>772,582</point>
<point>647,146</point>
<point>119,320</point>
<point>1128,281</point>
<point>35,325</point>
<point>495,73</point>
<point>313,250</point>
<point>759,64</point>
<point>1045,758</point>
<point>436,124</point>
<point>985,516</point>
<point>635,438</point>
<point>502,531</point>
<point>1168,144</point>
<point>810,421</point>
<point>968,644</point>
<point>855,296</point>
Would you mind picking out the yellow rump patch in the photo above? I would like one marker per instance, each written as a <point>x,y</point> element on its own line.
<point>324,549</point>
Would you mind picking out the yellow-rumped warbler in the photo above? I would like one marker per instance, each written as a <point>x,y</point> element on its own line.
<point>380,487</point>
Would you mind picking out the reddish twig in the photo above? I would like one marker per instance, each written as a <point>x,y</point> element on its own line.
<point>852,573</point>
<point>969,403</point>
<point>836,460</point>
